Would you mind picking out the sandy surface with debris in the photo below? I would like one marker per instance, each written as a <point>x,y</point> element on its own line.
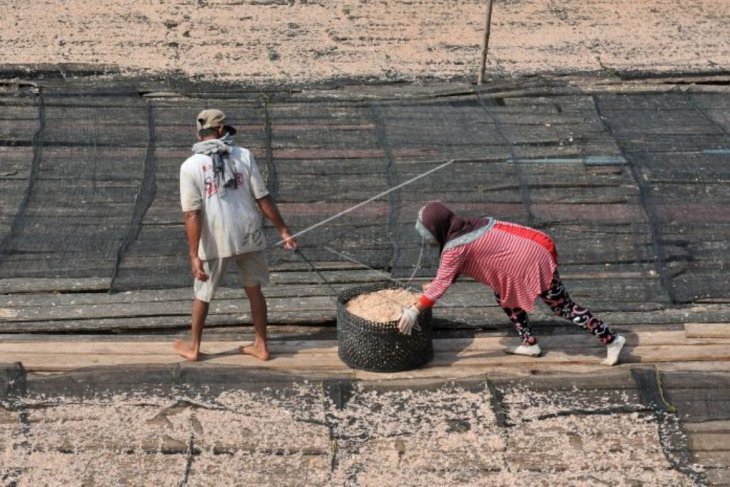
<point>450,436</point>
<point>304,41</point>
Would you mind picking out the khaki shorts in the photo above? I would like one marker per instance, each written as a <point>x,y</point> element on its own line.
<point>252,267</point>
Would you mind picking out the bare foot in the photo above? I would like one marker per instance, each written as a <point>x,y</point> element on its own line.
<point>258,350</point>
<point>186,350</point>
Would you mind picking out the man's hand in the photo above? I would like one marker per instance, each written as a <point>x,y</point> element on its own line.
<point>193,229</point>
<point>270,211</point>
<point>196,266</point>
<point>290,243</point>
<point>408,321</point>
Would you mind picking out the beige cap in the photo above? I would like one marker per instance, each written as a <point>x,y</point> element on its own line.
<point>212,119</point>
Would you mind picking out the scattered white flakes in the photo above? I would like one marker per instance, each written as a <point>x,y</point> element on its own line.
<point>8,313</point>
<point>381,306</point>
<point>295,434</point>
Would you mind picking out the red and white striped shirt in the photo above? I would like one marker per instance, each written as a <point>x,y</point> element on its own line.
<point>517,262</point>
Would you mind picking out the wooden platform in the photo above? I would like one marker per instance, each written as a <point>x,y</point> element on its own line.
<point>454,357</point>
<point>631,179</point>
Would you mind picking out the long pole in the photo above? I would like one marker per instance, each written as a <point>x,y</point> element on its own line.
<point>373,198</point>
<point>485,42</point>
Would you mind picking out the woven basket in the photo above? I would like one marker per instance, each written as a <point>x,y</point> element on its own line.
<point>379,346</point>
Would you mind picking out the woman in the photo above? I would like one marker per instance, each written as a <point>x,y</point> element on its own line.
<point>518,262</point>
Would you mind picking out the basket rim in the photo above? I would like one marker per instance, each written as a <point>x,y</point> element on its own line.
<point>341,301</point>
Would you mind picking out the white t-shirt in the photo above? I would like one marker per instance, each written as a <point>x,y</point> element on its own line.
<point>231,222</point>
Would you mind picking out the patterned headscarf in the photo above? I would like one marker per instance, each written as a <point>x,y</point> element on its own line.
<point>219,151</point>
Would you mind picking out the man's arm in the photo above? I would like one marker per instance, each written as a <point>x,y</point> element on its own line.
<point>193,229</point>
<point>270,211</point>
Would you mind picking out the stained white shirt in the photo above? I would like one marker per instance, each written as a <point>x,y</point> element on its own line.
<point>231,221</point>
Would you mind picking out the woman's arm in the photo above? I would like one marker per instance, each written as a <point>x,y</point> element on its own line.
<point>448,271</point>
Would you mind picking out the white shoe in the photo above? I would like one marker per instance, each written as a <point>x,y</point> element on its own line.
<point>527,350</point>
<point>613,350</point>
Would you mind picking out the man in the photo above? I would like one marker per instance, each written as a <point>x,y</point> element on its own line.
<point>223,196</point>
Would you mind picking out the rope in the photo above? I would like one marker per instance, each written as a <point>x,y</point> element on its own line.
<point>369,200</point>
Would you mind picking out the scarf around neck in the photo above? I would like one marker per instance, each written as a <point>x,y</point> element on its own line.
<point>444,225</point>
<point>219,151</point>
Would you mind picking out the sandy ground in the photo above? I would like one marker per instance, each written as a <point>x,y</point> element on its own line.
<point>304,41</point>
<point>449,436</point>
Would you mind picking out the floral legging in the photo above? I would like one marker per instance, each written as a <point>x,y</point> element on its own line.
<point>559,301</point>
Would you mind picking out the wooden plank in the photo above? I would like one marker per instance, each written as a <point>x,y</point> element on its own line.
<point>24,285</point>
<point>55,313</point>
<point>707,330</point>
<point>718,476</point>
<point>64,362</point>
<point>706,284</point>
<point>688,353</point>
<point>323,137</point>
<point>506,371</point>
<point>161,347</point>
<point>681,192</point>
<point>669,143</point>
<point>720,117</point>
<point>140,297</point>
<point>697,167</point>
<point>582,194</point>
<point>235,312</point>
<point>458,345</point>
<point>695,380</point>
<point>693,367</point>
<point>708,427</point>
<point>17,132</point>
<point>582,341</point>
<point>712,459</point>
<point>638,354</point>
<point>229,356</point>
<point>319,304</point>
<point>644,102</point>
<point>67,133</point>
<point>167,276</point>
<point>709,441</point>
<point>323,354</point>
<point>711,101</point>
<point>617,379</point>
<point>706,395</point>
<point>620,212</point>
<point>156,323</point>
<point>16,112</point>
<point>287,168</point>
<point>700,404</point>
<point>564,103</point>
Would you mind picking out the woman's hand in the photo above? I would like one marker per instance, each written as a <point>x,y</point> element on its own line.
<point>408,321</point>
